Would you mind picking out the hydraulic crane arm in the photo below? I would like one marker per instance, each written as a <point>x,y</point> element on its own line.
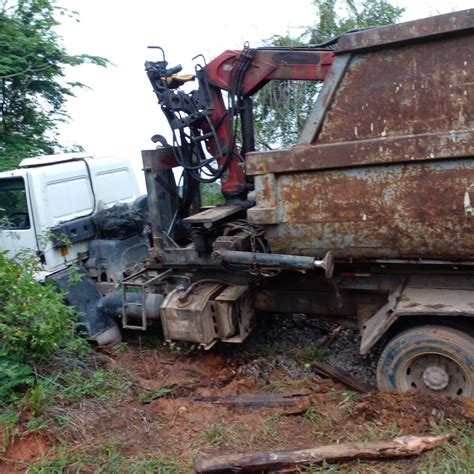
<point>202,117</point>
<point>268,64</point>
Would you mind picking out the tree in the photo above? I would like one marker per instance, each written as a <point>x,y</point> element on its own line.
<point>33,90</point>
<point>281,108</point>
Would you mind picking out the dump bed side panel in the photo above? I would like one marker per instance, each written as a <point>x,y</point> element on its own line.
<point>389,169</point>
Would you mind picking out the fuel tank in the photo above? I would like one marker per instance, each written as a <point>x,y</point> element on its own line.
<point>384,168</point>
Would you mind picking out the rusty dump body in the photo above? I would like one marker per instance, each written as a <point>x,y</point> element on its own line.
<point>368,221</point>
<point>385,165</point>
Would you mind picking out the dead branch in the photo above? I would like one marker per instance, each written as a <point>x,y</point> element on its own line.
<point>291,458</point>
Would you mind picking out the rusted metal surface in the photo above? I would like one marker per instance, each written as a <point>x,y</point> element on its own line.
<point>209,313</point>
<point>270,64</point>
<point>430,300</point>
<point>423,147</point>
<point>159,159</point>
<point>405,104</point>
<point>330,85</point>
<point>212,215</point>
<point>422,88</point>
<point>422,301</point>
<point>408,108</point>
<point>281,262</point>
<point>376,326</point>
<point>448,24</point>
<point>398,211</point>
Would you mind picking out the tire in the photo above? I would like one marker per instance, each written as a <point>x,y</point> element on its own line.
<point>435,359</point>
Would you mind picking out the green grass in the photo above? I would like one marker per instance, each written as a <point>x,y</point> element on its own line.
<point>454,457</point>
<point>270,348</point>
<point>226,433</point>
<point>107,459</point>
<point>321,421</point>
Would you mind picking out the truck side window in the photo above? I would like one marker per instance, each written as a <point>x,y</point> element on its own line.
<point>13,205</point>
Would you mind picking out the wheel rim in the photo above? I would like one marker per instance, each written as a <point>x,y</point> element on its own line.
<point>435,373</point>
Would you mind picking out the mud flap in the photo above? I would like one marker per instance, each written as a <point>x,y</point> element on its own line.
<point>376,326</point>
<point>82,293</point>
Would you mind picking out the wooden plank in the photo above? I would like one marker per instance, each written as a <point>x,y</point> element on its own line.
<point>292,404</point>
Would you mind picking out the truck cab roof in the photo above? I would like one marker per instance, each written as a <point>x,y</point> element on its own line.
<point>44,160</point>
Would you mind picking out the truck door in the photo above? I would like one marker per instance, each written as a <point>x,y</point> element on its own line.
<point>16,221</point>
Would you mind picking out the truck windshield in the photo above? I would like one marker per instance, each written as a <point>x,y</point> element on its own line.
<point>13,204</point>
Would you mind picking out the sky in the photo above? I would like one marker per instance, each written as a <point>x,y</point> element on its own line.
<point>118,112</point>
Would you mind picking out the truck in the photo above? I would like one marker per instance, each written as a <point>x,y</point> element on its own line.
<point>55,208</point>
<point>367,221</point>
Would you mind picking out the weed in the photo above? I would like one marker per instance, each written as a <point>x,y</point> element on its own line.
<point>347,402</point>
<point>270,348</point>
<point>37,424</point>
<point>8,419</point>
<point>114,458</point>
<point>321,421</point>
<point>214,435</point>
<point>148,397</point>
<point>38,398</point>
<point>120,347</point>
<point>315,353</point>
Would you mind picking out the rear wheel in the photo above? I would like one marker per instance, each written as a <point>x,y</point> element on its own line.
<point>435,359</point>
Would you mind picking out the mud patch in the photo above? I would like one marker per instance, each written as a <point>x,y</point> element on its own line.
<point>413,411</point>
<point>24,451</point>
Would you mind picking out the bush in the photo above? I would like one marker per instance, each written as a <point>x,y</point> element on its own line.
<point>35,324</point>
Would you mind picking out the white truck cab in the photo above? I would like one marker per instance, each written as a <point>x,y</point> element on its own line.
<point>50,191</point>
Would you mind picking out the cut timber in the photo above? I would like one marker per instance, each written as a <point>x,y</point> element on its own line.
<point>342,376</point>
<point>291,458</point>
<point>291,403</point>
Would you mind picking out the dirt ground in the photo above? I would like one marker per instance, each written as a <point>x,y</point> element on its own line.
<point>166,416</point>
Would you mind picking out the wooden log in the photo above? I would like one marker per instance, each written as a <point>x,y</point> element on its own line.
<point>288,459</point>
<point>291,403</point>
<point>342,376</point>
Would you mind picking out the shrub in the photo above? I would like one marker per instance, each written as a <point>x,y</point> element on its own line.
<point>34,325</point>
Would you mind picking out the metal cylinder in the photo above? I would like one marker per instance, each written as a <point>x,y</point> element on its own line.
<point>112,305</point>
<point>283,262</point>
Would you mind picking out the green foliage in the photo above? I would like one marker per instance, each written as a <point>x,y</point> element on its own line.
<point>32,86</point>
<point>281,108</point>
<point>148,397</point>
<point>211,194</point>
<point>15,376</point>
<point>315,353</point>
<point>34,325</point>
